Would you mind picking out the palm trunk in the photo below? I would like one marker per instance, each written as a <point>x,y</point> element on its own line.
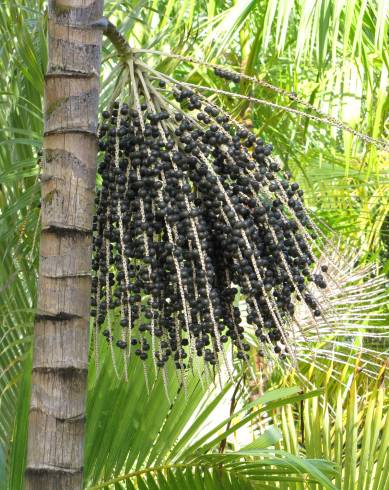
<point>57,407</point>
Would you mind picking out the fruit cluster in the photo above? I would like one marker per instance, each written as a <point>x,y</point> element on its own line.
<point>192,213</point>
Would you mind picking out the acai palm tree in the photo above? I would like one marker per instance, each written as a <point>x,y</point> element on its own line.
<point>209,309</point>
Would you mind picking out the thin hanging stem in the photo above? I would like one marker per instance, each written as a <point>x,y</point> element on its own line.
<point>326,118</point>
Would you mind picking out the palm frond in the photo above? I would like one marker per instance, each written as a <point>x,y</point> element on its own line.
<point>348,425</point>
<point>165,445</point>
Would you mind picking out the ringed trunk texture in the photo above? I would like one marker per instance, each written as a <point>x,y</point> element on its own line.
<point>59,377</point>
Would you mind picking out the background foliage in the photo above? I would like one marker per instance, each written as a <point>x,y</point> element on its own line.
<point>331,53</point>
